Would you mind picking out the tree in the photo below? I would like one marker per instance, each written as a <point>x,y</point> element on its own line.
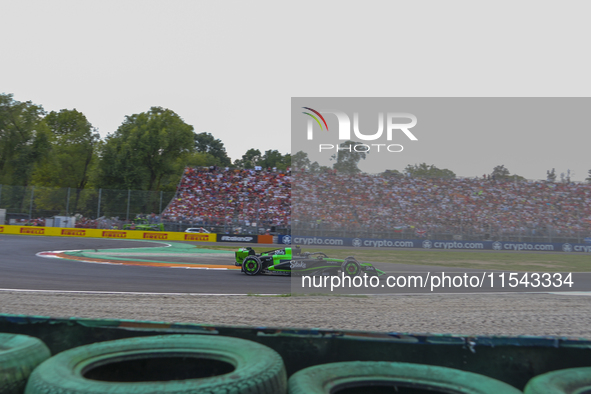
<point>564,179</point>
<point>588,179</point>
<point>147,152</point>
<point>74,142</point>
<point>500,173</point>
<point>24,140</point>
<point>249,160</point>
<point>286,162</point>
<point>551,176</point>
<point>200,159</point>
<point>272,158</point>
<point>206,143</point>
<point>516,177</point>
<point>316,168</point>
<point>72,155</point>
<point>392,174</point>
<point>300,161</point>
<point>347,159</point>
<point>424,170</point>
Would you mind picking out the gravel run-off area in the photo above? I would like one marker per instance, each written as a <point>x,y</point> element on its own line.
<point>473,314</point>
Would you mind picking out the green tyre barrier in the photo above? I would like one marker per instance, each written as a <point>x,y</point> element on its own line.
<point>19,355</point>
<point>564,381</point>
<point>165,364</point>
<point>369,377</point>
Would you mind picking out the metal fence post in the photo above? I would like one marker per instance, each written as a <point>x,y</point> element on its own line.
<point>68,204</point>
<point>98,212</point>
<point>0,195</point>
<point>128,198</point>
<point>31,204</point>
<point>160,202</point>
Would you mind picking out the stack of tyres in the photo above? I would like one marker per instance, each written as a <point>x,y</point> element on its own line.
<point>563,381</point>
<point>208,364</point>
<point>377,377</point>
<point>19,355</point>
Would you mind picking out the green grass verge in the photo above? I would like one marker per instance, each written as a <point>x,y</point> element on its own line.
<point>531,262</point>
<point>509,261</point>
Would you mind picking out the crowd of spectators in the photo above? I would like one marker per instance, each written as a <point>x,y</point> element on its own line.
<point>220,197</point>
<point>462,205</point>
<point>332,201</point>
<point>335,202</point>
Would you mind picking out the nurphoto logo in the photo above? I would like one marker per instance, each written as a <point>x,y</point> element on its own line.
<point>392,128</point>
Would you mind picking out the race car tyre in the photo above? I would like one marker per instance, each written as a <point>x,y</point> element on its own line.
<point>19,355</point>
<point>570,380</point>
<point>164,364</point>
<point>351,267</point>
<point>252,265</point>
<point>388,377</point>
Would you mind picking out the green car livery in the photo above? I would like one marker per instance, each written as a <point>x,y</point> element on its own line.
<point>286,261</point>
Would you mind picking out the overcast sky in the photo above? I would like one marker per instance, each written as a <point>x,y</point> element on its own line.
<point>230,68</point>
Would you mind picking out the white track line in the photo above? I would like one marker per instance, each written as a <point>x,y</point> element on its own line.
<point>576,293</point>
<point>573,293</point>
<point>128,292</point>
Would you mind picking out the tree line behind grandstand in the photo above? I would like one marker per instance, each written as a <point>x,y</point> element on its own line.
<point>328,204</point>
<point>55,163</point>
<point>148,151</point>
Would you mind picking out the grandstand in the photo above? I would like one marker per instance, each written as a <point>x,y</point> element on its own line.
<point>238,199</point>
<point>460,208</point>
<point>330,204</point>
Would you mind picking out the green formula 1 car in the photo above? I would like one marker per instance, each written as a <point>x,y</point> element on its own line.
<point>284,261</point>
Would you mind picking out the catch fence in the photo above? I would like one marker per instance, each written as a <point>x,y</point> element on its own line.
<point>111,208</point>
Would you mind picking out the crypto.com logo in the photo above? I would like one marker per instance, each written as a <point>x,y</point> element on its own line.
<point>344,131</point>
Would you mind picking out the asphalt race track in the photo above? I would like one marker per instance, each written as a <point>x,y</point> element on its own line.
<point>21,269</point>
